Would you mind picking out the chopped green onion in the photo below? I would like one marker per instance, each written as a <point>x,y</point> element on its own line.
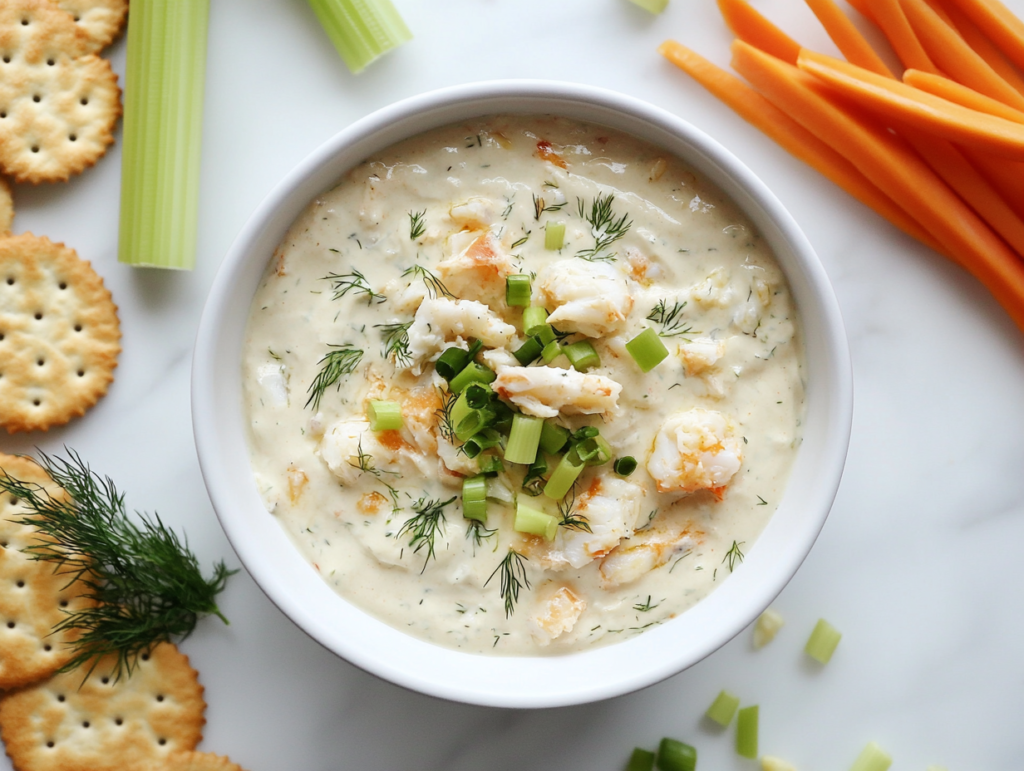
<point>553,438</point>
<point>475,422</point>
<point>523,439</point>
<point>647,350</point>
<point>770,763</point>
<point>723,708</point>
<point>546,335</point>
<point>530,520</point>
<point>746,732</point>
<point>163,128</point>
<point>505,414</point>
<point>554,236</point>
<point>594,451</point>
<point>528,351</point>
<point>676,756</point>
<point>473,373</point>
<point>474,498</point>
<point>582,355</point>
<point>551,351</point>
<point>586,432</point>
<point>491,465</point>
<point>768,625</point>
<point>518,290</point>
<point>654,6</point>
<point>872,758</point>
<point>533,482</point>
<point>641,760</point>
<point>822,642</point>
<point>565,473</point>
<point>361,30</point>
<point>480,441</point>
<point>625,465</point>
<point>478,395</point>
<point>454,360</point>
<point>384,416</point>
<point>534,318</point>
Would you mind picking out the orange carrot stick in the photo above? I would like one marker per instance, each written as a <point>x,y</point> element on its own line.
<point>888,15</point>
<point>979,41</point>
<point>793,137</point>
<point>748,24</point>
<point>998,22</point>
<point>861,6</point>
<point>951,54</point>
<point>898,101</point>
<point>1006,177</point>
<point>888,162</point>
<point>847,37</point>
<point>962,95</point>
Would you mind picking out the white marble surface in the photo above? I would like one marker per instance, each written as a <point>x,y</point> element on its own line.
<point>918,564</point>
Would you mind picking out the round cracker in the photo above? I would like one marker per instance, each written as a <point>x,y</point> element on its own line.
<point>33,598</point>
<point>100,20</point>
<point>35,32</point>
<point>103,724</point>
<point>6,207</point>
<point>59,334</point>
<point>197,761</point>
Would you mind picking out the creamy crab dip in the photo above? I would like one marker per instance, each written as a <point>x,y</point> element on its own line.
<point>523,385</point>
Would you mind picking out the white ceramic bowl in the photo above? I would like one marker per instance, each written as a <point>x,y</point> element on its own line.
<point>279,569</point>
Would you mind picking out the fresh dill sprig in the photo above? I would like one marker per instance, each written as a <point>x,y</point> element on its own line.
<point>734,555</point>
<point>604,227</point>
<point>672,324</point>
<point>396,342</point>
<point>570,518</point>
<point>364,462</point>
<point>435,287</point>
<point>145,583</point>
<point>508,209</point>
<point>426,522</point>
<point>540,206</point>
<point>479,532</point>
<point>513,578</point>
<point>521,241</point>
<point>643,607</point>
<point>417,226</point>
<point>343,283</point>
<point>444,415</point>
<point>341,361</point>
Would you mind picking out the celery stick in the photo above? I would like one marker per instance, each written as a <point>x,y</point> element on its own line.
<point>822,642</point>
<point>746,732</point>
<point>163,117</point>
<point>872,758</point>
<point>723,708</point>
<point>654,6</point>
<point>769,763</point>
<point>361,30</point>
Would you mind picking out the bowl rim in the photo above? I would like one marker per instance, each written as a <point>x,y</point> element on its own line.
<point>543,681</point>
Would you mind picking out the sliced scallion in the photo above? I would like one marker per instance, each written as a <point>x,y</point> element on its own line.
<point>518,290</point>
<point>582,355</point>
<point>768,625</point>
<point>528,351</point>
<point>533,482</point>
<point>565,473</point>
<point>480,441</point>
<point>361,30</point>
<point>384,416</point>
<point>625,465</point>
<point>641,760</point>
<point>475,422</point>
<point>822,642</point>
<point>474,498</point>
<point>554,236</point>
<point>553,438</point>
<point>534,318</point>
<point>523,439</point>
<point>546,334</point>
<point>454,360</point>
<point>473,373</point>
<point>872,758</point>
<point>746,732</point>
<point>478,395</point>
<point>647,350</point>
<point>491,465</point>
<point>674,755</point>
<point>530,520</point>
<point>723,708</point>
<point>551,351</point>
<point>594,451</point>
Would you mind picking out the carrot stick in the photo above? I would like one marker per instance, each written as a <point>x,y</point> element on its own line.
<point>847,37</point>
<point>998,22</point>
<point>1005,176</point>
<point>793,137</point>
<point>888,15</point>
<point>979,41</point>
<point>748,24</point>
<point>898,101</point>
<point>861,6</point>
<point>888,162</point>
<point>962,95</point>
<point>950,53</point>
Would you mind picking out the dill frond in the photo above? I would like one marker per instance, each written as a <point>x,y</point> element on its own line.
<point>435,287</point>
<point>604,227</point>
<point>539,206</point>
<point>444,415</point>
<point>341,361</point>
<point>570,518</point>
<point>343,283</point>
<point>396,342</point>
<point>734,555</point>
<point>426,522</point>
<point>512,571</point>
<point>521,241</point>
<point>417,226</point>
<point>671,322</point>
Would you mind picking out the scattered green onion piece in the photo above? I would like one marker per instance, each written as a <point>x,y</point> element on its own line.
<point>551,352</point>
<point>533,482</point>
<point>451,363</point>
<point>582,355</point>
<point>518,290</point>
<point>534,318</point>
<point>384,416</point>
<point>625,465</point>
<point>478,395</point>
<point>554,236</point>
<point>586,432</point>
<point>163,128</point>
<point>480,441</point>
<point>546,335</point>
<point>459,411</point>
<point>565,473</point>
<point>770,763</point>
<point>768,625</point>
<point>872,758</point>
<point>641,760</point>
<point>647,350</point>
<point>530,520</point>
<point>474,498</point>
<point>503,421</point>
<point>361,30</point>
<point>528,351</point>
<point>723,708</point>
<point>674,755</point>
<point>822,642</point>
<point>523,439</point>
<point>474,422</point>
<point>595,451</point>
<point>746,732</point>
<point>473,373</point>
<point>653,6</point>
<point>553,438</point>
<point>491,465</point>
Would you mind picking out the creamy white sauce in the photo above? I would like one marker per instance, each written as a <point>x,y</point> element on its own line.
<point>729,396</point>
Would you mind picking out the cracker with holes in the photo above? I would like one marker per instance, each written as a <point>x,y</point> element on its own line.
<point>6,207</point>
<point>33,599</point>
<point>58,104</point>
<point>106,724</point>
<point>59,334</point>
<point>198,761</point>
<point>100,20</point>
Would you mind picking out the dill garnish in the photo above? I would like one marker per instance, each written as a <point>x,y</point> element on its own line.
<point>521,241</point>
<point>444,415</point>
<point>435,287</point>
<point>427,521</point>
<point>604,227</point>
<point>539,206</point>
<point>734,555</point>
<point>146,584</point>
<point>570,519</point>
<point>479,532</point>
<point>672,324</point>
<point>396,342</point>
<point>341,361</point>
<point>643,607</point>
<point>513,578</point>
<point>417,227</point>
<point>343,283</point>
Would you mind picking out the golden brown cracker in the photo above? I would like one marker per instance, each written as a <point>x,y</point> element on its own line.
<point>6,207</point>
<point>34,33</point>
<point>106,724</point>
<point>100,20</point>
<point>59,334</point>
<point>196,761</point>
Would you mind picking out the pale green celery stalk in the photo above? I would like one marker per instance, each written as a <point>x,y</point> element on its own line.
<point>163,124</point>
<point>361,30</point>
<point>872,758</point>
<point>654,6</point>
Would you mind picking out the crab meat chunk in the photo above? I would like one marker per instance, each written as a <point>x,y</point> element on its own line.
<point>345,442</point>
<point>714,291</point>
<point>274,380</point>
<point>545,391</point>
<point>474,214</point>
<point>592,298</point>
<point>477,270</point>
<point>556,616</point>
<point>695,450</point>
<point>641,554</point>
<point>441,321</point>
<point>701,354</point>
